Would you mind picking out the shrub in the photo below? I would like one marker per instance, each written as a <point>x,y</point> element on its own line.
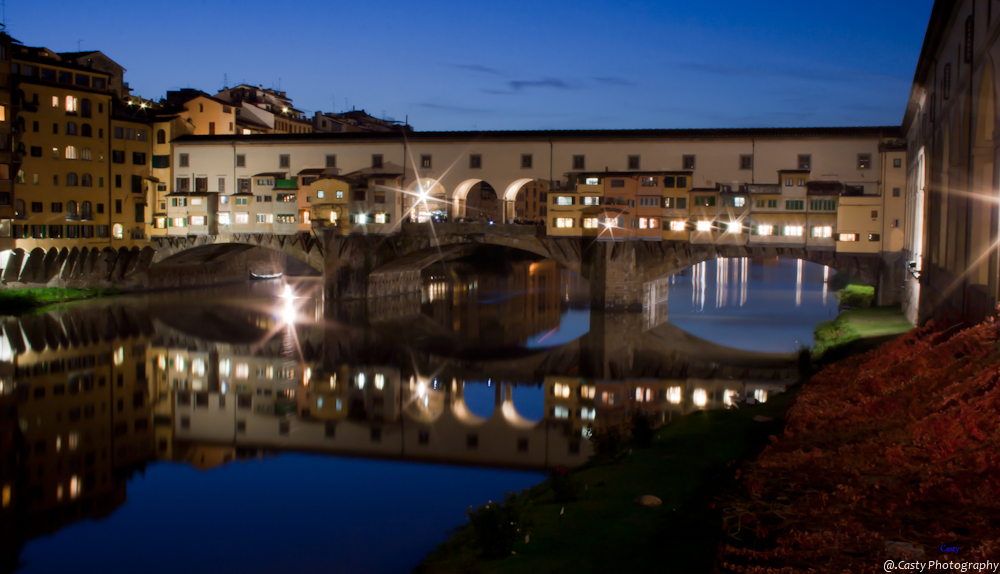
<point>608,441</point>
<point>563,487</point>
<point>497,526</point>
<point>641,425</point>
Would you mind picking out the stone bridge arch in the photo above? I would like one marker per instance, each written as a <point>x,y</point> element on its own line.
<point>204,248</point>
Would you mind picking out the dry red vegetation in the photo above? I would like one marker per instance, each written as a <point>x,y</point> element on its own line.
<point>897,448</point>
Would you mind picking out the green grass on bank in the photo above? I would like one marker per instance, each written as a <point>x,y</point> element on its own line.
<point>17,301</point>
<point>856,296</point>
<point>856,330</point>
<point>688,464</point>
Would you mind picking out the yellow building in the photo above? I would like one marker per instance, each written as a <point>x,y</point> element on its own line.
<point>131,178</point>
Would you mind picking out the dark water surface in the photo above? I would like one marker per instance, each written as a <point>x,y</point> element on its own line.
<point>250,429</point>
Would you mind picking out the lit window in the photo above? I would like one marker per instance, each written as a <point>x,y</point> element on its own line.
<point>564,200</point>
<point>71,152</point>
<point>704,225</point>
<point>379,218</point>
<point>265,218</point>
<point>198,220</point>
<point>196,201</point>
<point>117,231</point>
<point>793,230</point>
<point>241,217</point>
<point>179,222</point>
<point>765,230</point>
<point>71,103</point>
<point>55,101</point>
<point>561,390</point>
<point>739,201</point>
<point>361,380</point>
<point>643,223</point>
<point>588,200</point>
<point>847,237</point>
<point>593,181</point>
<point>224,218</point>
<point>824,231</point>
<point>564,222</point>
<point>119,356</point>
<point>700,397</point>
<point>735,227</point>
<point>320,194</point>
<point>587,391</point>
<point>198,366</point>
<point>678,225</point>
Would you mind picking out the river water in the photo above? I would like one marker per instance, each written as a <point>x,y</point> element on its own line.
<point>258,428</point>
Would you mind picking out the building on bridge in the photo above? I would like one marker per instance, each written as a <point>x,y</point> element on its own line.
<point>951,193</point>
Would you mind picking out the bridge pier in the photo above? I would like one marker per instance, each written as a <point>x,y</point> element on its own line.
<point>616,282</point>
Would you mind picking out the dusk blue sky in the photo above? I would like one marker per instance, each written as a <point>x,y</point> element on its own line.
<point>517,64</point>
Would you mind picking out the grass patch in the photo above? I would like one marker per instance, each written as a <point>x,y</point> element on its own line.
<point>856,296</point>
<point>687,464</point>
<point>856,330</point>
<point>17,301</point>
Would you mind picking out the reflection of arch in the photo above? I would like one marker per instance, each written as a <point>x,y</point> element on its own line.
<point>181,251</point>
<point>863,267</point>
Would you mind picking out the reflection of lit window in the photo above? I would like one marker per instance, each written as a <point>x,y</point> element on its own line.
<point>361,380</point>
<point>588,414</point>
<point>119,355</point>
<point>242,371</point>
<point>162,362</point>
<point>224,366</point>
<point>58,443</point>
<point>198,366</point>
<point>74,486</point>
<point>59,492</point>
<point>727,397</point>
<point>6,496</point>
<point>561,412</point>
<point>379,381</point>
<point>181,365</point>
<point>74,440</point>
<point>307,375</point>
<point>700,397</point>
<point>338,404</point>
<point>560,390</point>
<point>587,391</point>
<point>760,395</point>
<point>333,382</point>
<point>674,395</point>
<point>607,398</point>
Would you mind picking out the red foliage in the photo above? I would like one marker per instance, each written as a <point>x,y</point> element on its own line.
<point>900,444</point>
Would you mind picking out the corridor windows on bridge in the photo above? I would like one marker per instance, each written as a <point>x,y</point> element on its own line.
<point>579,163</point>
<point>564,222</point>
<point>678,225</point>
<point>792,230</point>
<point>284,161</point>
<point>241,159</point>
<point>475,161</point>
<point>847,237</point>
<point>526,161</point>
<point>805,161</point>
<point>746,161</point>
<point>822,231</point>
<point>688,161</point>
<point>182,159</point>
<point>765,230</point>
<point>377,161</point>
<point>425,161</point>
<point>704,225</point>
<point>633,162</point>
<point>590,223</point>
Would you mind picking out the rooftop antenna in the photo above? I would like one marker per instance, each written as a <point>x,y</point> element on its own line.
<point>78,42</point>
<point>225,81</point>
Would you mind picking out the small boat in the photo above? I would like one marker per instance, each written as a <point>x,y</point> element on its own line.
<point>261,277</point>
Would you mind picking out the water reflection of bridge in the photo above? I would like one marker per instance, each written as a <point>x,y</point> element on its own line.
<point>91,393</point>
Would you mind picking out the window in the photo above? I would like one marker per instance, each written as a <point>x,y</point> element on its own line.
<point>746,162</point>
<point>161,137</point>
<point>85,154</point>
<point>874,214</point>
<point>475,161</point>
<point>197,220</point>
<point>649,182</point>
<point>71,104</point>
<point>242,201</point>
<point>71,128</point>
<point>526,161</point>
<point>55,101</point>
<point>704,201</point>
<point>138,158</point>
<point>590,223</point>
<point>182,160</point>
<point>241,218</point>
<point>117,156</point>
<point>85,211</point>
<point>633,162</point>
<point>765,230</point>
<point>823,232</point>
<point>178,222</point>
<point>70,152</point>
<point>681,203</point>
<point>425,161</point>
<point>897,162</point>
<point>379,197</point>
<point>895,192</point>
<point>265,218</point>
<point>291,218</point>
<point>805,161</point>
<point>788,182</point>
<point>873,237</point>
<point>847,237</point>
<point>793,230</point>
<point>117,231</point>
<point>822,205</point>
<point>71,180</point>
<point>564,222</point>
<point>864,161</point>
<point>704,225</point>
<point>678,225</point>
<point>57,207</point>
<point>617,183</point>
<point>563,200</point>
<point>800,182</point>
<point>733,201</point>
<point>183,184</point>
<point>795,204</point>
<point>201,184</point>
<point>688,162</point>
<point>36,151</point>
<point>682,181</point>
<point>895,223</point>
<point>377,161</point>
<point>591,200</point>
<point>579,162</point>
<point>36,207</point>
<point>284,160</point>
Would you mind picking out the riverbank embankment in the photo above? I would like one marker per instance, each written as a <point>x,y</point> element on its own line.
<point>19,301</point>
